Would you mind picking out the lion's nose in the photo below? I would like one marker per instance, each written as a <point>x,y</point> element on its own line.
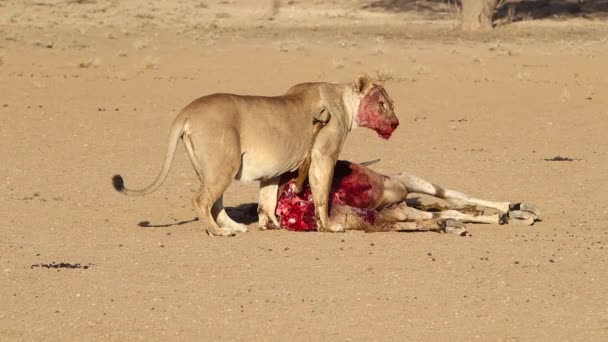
<point>394,124</point>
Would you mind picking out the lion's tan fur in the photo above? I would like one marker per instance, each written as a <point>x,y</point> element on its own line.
<point>257,138</point>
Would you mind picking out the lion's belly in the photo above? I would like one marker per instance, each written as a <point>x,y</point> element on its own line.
<point>261,165</point>
<point>270,153</point>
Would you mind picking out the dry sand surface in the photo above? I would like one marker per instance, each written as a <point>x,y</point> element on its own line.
<point>89,88</point>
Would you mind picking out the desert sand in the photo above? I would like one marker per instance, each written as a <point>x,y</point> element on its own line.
<point>89,88</point>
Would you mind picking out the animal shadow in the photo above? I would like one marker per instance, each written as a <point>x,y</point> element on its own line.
<point>246,213</point>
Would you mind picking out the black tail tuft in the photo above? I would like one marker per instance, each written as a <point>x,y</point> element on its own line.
<point>118,183</point>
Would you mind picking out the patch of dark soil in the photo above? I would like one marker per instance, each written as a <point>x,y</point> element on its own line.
<point>63,265</point>
<point>560,159</point>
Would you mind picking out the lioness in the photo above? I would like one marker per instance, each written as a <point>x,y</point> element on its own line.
<point>362,199</point>
<point>251,138</point>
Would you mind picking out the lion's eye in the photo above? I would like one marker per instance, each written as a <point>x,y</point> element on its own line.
<point>383,105</point>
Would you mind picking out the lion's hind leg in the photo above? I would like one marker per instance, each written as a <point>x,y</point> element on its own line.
<point>215,173</point>
<point>210,210</point>
<point>221,216</point>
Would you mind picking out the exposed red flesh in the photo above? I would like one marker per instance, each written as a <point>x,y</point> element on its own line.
<point>296,211</point>
<point>351,186</point>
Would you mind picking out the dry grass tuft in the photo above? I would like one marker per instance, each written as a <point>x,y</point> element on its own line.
<point>338,63</point>
<point>90,63</point>
<point>150,63</point>
<point>140,44</point>
<point>383,74</point>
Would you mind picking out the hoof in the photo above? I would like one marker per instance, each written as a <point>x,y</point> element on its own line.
<point>531,208</point>
<point>452,226</point>
<point>334,228</point>
<point>269,226</point>
<point>522,217</point>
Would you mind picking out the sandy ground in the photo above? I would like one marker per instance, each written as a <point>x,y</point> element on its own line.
<point>88,89</point>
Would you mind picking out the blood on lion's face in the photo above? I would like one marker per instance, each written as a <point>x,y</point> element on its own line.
<point>376,112</point>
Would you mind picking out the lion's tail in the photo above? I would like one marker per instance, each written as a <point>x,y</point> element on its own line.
<point>177,129</point>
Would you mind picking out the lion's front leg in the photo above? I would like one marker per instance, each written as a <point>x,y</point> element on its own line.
<point>268,204</point>
<point>320,177</point>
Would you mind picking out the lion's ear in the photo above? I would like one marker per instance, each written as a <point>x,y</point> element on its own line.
<point>362,83</point>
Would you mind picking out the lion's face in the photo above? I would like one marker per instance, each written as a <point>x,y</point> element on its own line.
<point>376,111</point>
